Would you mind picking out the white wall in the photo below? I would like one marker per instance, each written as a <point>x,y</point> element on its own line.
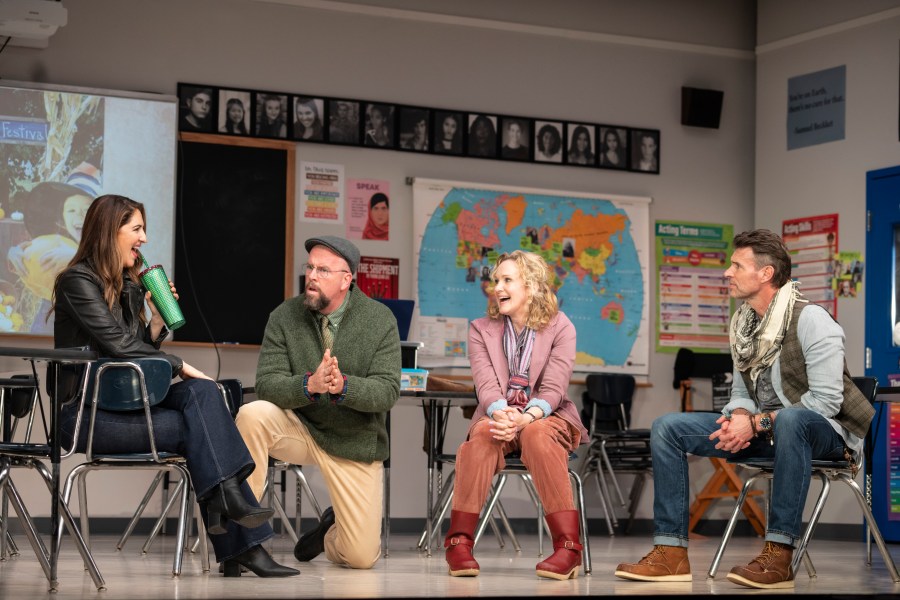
<point>707,175</point>
<point>828,178</point>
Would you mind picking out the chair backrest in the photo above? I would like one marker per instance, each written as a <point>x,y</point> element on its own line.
<point>18,397</point>
<point>120,382</point>
<point>607,401</point>
<point>868,386</point>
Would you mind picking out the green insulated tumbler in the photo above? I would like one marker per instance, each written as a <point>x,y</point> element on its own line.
<point>155,280</point>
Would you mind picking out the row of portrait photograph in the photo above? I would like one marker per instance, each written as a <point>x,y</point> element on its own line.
<point>210,109</point>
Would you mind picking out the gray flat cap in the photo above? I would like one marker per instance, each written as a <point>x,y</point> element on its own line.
<point>343,248</point>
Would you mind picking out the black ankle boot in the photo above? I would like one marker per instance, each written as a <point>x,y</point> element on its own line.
<point>260,562</point>
<point>227,502</point>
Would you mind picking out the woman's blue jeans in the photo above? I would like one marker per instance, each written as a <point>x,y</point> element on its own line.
<point>800,436</point>
<point>194,422</point>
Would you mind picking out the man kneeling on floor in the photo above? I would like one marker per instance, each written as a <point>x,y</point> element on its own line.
<point>792,401</point>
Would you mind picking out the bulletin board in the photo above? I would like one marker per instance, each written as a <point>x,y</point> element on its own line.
<point>234,236</point>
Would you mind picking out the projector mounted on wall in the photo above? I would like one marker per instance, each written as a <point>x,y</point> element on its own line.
<point>30,23</point>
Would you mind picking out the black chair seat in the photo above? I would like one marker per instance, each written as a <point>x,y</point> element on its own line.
<point>767,464</point>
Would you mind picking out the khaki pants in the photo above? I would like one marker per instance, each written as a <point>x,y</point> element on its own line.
<point>544,445</point>
<point>356,488</point>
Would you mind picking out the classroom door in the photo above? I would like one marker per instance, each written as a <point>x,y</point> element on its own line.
<point>882,273</point>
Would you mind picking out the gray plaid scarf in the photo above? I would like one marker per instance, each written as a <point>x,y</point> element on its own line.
<point>755,341</point>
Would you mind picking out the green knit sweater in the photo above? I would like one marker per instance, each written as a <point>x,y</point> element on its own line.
<point>367,346</point>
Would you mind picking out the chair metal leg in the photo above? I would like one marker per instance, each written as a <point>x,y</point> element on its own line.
<point>140,510</point>
<point>159,526</point>
<point>202,539</point>
<point>606,501</point>
<point>66,517</point>
<point>612,473</point>
<point>578,493</point>
<point>438,512</point>
<point>183,518</point>
<point>492,502</point>
<point>873,527</point>
<point>506,525</point>
<point>729,528</point>
<point>285,520</point>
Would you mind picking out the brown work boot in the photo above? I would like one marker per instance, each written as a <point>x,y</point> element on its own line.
<point>663,563</point>
<point>770,570</point>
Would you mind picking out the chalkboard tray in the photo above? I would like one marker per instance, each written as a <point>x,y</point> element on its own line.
<point>234,234</point>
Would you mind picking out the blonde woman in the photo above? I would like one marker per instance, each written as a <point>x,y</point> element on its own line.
<point>522,354</point>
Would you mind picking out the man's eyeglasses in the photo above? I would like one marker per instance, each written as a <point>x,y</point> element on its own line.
<point>322,272</point>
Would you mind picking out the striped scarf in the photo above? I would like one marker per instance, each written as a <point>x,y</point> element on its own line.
<point>755,341</point>
<point>518,350</point>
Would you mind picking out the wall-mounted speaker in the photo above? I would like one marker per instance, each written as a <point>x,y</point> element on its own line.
<point>701,108</point>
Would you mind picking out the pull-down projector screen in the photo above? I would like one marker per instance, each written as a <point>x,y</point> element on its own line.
<point>61,147</point>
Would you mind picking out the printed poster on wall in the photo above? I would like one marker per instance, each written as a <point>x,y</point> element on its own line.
<point>379,277</point>
<point>693,308</point>
<point>320,193</point>
<point>812,243</point>
<point>848,272</point>
<point>816,108</point>
<point>368,209</point>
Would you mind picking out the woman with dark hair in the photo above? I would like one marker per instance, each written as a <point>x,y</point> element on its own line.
<point>482,137</point>
<point>612,155</point>
<point>449,134</point>
<point>100,305</point>
<point>580,152</point>
<point>234,117</point>
<point>549,144</point>
<point>377,224</point>
<point>308,125</point>
<point>522,355</point>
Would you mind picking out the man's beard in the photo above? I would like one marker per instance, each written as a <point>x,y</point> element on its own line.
<point>317,302</point>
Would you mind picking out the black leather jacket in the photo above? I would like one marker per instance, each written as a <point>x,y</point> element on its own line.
<point>82,318</point>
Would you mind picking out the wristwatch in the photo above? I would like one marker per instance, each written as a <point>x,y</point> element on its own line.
<point>765,425</point>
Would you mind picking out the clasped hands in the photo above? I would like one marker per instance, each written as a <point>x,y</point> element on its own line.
<point>734,434</point>
<point>506,423</point>
<point>327,377</point>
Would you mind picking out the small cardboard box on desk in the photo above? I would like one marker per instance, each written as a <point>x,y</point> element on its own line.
<point>413,379</point>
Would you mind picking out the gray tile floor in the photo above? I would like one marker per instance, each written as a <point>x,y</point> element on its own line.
<point>407,573</point>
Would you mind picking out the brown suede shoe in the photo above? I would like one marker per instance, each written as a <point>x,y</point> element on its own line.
<point>770,570</point>
<point>663,563</point>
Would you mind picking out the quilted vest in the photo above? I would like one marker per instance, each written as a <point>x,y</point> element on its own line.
<point>856,411</point>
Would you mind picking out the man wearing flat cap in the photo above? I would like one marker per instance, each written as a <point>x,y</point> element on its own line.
<point>328,373</point>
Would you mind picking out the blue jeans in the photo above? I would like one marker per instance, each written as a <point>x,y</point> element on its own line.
<point>800,435</point>
<point>192,421</point>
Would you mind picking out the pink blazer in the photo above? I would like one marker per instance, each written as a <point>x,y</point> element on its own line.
<point>552,361</point>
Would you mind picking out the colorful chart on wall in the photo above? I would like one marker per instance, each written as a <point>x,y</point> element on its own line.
<point>598,246</point>
<point>693,308</point>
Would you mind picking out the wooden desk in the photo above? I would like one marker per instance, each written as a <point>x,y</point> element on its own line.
<point>436,406</point>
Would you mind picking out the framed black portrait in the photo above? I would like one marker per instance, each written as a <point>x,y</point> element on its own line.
<point>548,141</point>
<point>379,131</point>
<point>308,119</point>
<point>271,115</point>
<point>415,128</point>
<point>613,147</point>
<point>195,108</point>
<point>448,132</point>
<point>343,121</point>
<point>515,138</point>
<point>645,150</point>
<point>234,112</point>
<point>482,135</point>
<point>581,144</point>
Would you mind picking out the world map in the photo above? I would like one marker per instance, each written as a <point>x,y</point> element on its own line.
<point>590,244</point>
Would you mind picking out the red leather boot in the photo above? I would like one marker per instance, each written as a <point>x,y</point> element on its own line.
<point>566,558</point>
<point>459,542</point>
